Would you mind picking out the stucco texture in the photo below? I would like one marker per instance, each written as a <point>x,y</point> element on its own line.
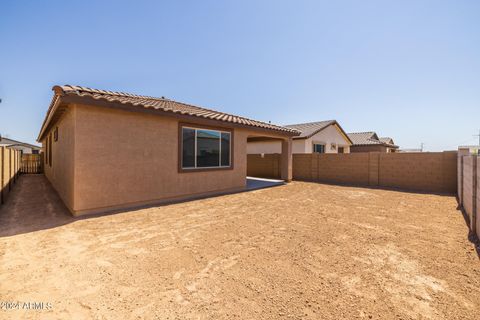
<point>108,159</point>
<point>328,136</point>
<point>61,171</point>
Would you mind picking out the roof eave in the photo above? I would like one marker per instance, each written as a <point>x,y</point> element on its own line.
<point>333,122</point>
<point>64,98</point>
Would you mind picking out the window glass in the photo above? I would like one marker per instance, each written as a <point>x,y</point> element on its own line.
<point>188,148</point>
<point>319,148</point>
<point>225,156</point>
<point>203,148</point>
<point>208,148</point>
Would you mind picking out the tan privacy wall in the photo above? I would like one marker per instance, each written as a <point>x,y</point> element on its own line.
<point>477,196</point>
<point>267,166</point>
<point>334,168</point>
<point>426,171</point>
<point>9,171</point>
<point>469,189</point>
<point>429,171</point>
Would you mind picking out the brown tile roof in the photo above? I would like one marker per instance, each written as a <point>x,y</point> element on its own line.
<point>161,104</point>
<point>387,140</point>
<point>369,138</point>
<point>364,138</point>
<point>311,128</point>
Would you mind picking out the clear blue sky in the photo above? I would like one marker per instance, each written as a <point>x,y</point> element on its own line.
<point>405,69</point>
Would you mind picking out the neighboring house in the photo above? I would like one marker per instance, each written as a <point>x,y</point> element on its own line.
<point>25,148</point>
<point>111,151</point>
<point>322,137</point>
<point>470,149</point>
<point>370,142</point>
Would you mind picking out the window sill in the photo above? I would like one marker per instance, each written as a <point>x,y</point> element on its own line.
<point>186,170</point>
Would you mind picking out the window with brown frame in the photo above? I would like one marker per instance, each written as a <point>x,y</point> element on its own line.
<point>50,150</point>
<point>203,148</point>
<point>46,151</point>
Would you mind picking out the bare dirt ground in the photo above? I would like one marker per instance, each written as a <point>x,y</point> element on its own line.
<point>300,251</point>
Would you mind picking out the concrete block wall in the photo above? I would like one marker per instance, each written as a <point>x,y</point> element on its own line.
<point>477,223</point>
<point>373,168</point>
<point>469,189</point>
<point>467,186</point>
<point>341,168</point>
<point>429,171</point>
<point>459,178</point>
<point>304,167</point>
<point>267,166</point>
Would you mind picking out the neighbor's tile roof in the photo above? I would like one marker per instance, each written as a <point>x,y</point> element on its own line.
<point>369,138</point>
<point>309,129</point>
<point>364,138</point>
<point>8,141</point>
<point>161,104</point>
<point>387,140</point>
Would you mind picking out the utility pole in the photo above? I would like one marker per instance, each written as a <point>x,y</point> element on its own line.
<point>421,146</point>
<point>478,135</point>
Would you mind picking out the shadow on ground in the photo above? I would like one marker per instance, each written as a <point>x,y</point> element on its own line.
<point>32,205</point>
<point>472,237</point>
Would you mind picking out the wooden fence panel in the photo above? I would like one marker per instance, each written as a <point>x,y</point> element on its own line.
<point>9,171</point>
<point>31,163</point>
<point>2,175</point>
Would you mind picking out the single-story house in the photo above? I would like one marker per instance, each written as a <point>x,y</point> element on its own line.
<point>473,149</point>
<point>109,150</point>
<point>370,142</point>
<point>25,148</point>
<point>321,137</point>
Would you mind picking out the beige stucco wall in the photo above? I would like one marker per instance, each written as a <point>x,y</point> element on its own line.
<point>110,159</point>
<point>61,173</point>
<point>327,136</point>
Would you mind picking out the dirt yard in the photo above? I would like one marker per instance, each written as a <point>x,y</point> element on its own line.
<point>300,251</point>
